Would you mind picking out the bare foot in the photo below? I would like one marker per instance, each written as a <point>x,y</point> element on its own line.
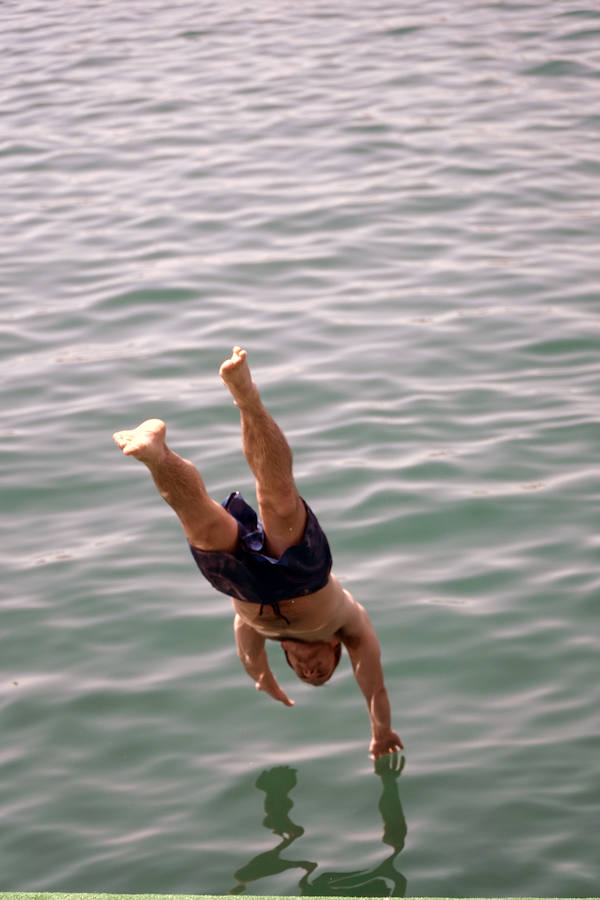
<point>235,373</point>
<point>146,442</point>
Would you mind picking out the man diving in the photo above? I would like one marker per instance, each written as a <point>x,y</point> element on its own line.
<point>275,567</point>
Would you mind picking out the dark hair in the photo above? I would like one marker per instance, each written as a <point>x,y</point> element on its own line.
<point>337,652</point>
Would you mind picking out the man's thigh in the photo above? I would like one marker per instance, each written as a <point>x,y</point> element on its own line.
<point>284,521</point>
<point>212,529</point>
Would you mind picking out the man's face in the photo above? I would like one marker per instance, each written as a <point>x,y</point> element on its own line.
<point>312,663</point>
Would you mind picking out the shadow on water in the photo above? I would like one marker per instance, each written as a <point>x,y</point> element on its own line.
<point>382,880</point>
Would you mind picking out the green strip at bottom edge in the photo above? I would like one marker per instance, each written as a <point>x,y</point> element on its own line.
<point>50,895</point>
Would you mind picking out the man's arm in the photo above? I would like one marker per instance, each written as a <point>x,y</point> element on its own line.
<point>360,640</point>
<point>251,650</point>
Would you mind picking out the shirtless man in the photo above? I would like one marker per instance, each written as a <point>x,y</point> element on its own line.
<point>276,569</point>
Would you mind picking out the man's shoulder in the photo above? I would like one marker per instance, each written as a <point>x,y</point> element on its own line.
<point>355,624</point>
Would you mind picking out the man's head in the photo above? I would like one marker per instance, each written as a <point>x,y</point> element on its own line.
<point>315,662</point>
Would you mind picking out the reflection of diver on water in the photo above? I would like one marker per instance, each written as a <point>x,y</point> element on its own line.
<point>381,880</point>
<point>276,783</point>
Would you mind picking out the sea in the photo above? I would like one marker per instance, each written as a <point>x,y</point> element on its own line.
<point>395,208</point>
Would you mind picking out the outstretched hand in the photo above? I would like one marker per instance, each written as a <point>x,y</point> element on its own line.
<point>389,743</point>
<point>389,766</point>
<point>270,687</point>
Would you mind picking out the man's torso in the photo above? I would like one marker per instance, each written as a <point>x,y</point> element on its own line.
<point>312,618</point>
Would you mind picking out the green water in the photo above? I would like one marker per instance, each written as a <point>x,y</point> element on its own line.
<point>396,210</point>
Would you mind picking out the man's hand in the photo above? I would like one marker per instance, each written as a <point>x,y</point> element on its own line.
<point>251,650</point>
<point>268,684</point>
<point>389,743</point>
<point>389,766</point>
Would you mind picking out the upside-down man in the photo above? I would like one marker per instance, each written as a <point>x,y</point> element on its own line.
<point>275,567</point>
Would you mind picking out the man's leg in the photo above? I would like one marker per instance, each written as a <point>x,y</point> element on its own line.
<point>206,524</point>
<point>268,454</point>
